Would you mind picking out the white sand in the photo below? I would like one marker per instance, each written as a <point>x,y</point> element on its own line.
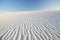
<point>30,25</point>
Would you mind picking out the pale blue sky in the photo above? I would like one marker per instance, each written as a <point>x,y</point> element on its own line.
<point>28,5</point>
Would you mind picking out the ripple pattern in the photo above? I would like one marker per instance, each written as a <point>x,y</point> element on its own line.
<point>32,27</point>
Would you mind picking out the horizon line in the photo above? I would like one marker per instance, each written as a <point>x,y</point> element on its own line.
<point>46,10</point>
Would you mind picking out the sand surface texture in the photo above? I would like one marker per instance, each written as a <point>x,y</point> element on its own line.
<point>34,26</point>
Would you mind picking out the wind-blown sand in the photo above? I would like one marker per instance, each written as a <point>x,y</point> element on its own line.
<point>30,25</point>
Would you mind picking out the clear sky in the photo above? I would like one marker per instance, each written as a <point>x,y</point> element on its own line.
<point>28,5</point>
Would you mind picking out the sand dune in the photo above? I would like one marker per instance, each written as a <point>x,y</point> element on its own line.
<point>30,26</point>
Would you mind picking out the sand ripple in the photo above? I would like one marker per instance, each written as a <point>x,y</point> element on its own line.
<point>32,27</point>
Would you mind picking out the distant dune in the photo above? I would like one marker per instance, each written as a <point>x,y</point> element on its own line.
<point>31,25</point>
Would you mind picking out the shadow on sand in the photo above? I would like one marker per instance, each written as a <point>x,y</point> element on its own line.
<point>0,38</point>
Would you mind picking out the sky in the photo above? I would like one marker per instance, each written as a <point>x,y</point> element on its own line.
<point>28,5</point>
